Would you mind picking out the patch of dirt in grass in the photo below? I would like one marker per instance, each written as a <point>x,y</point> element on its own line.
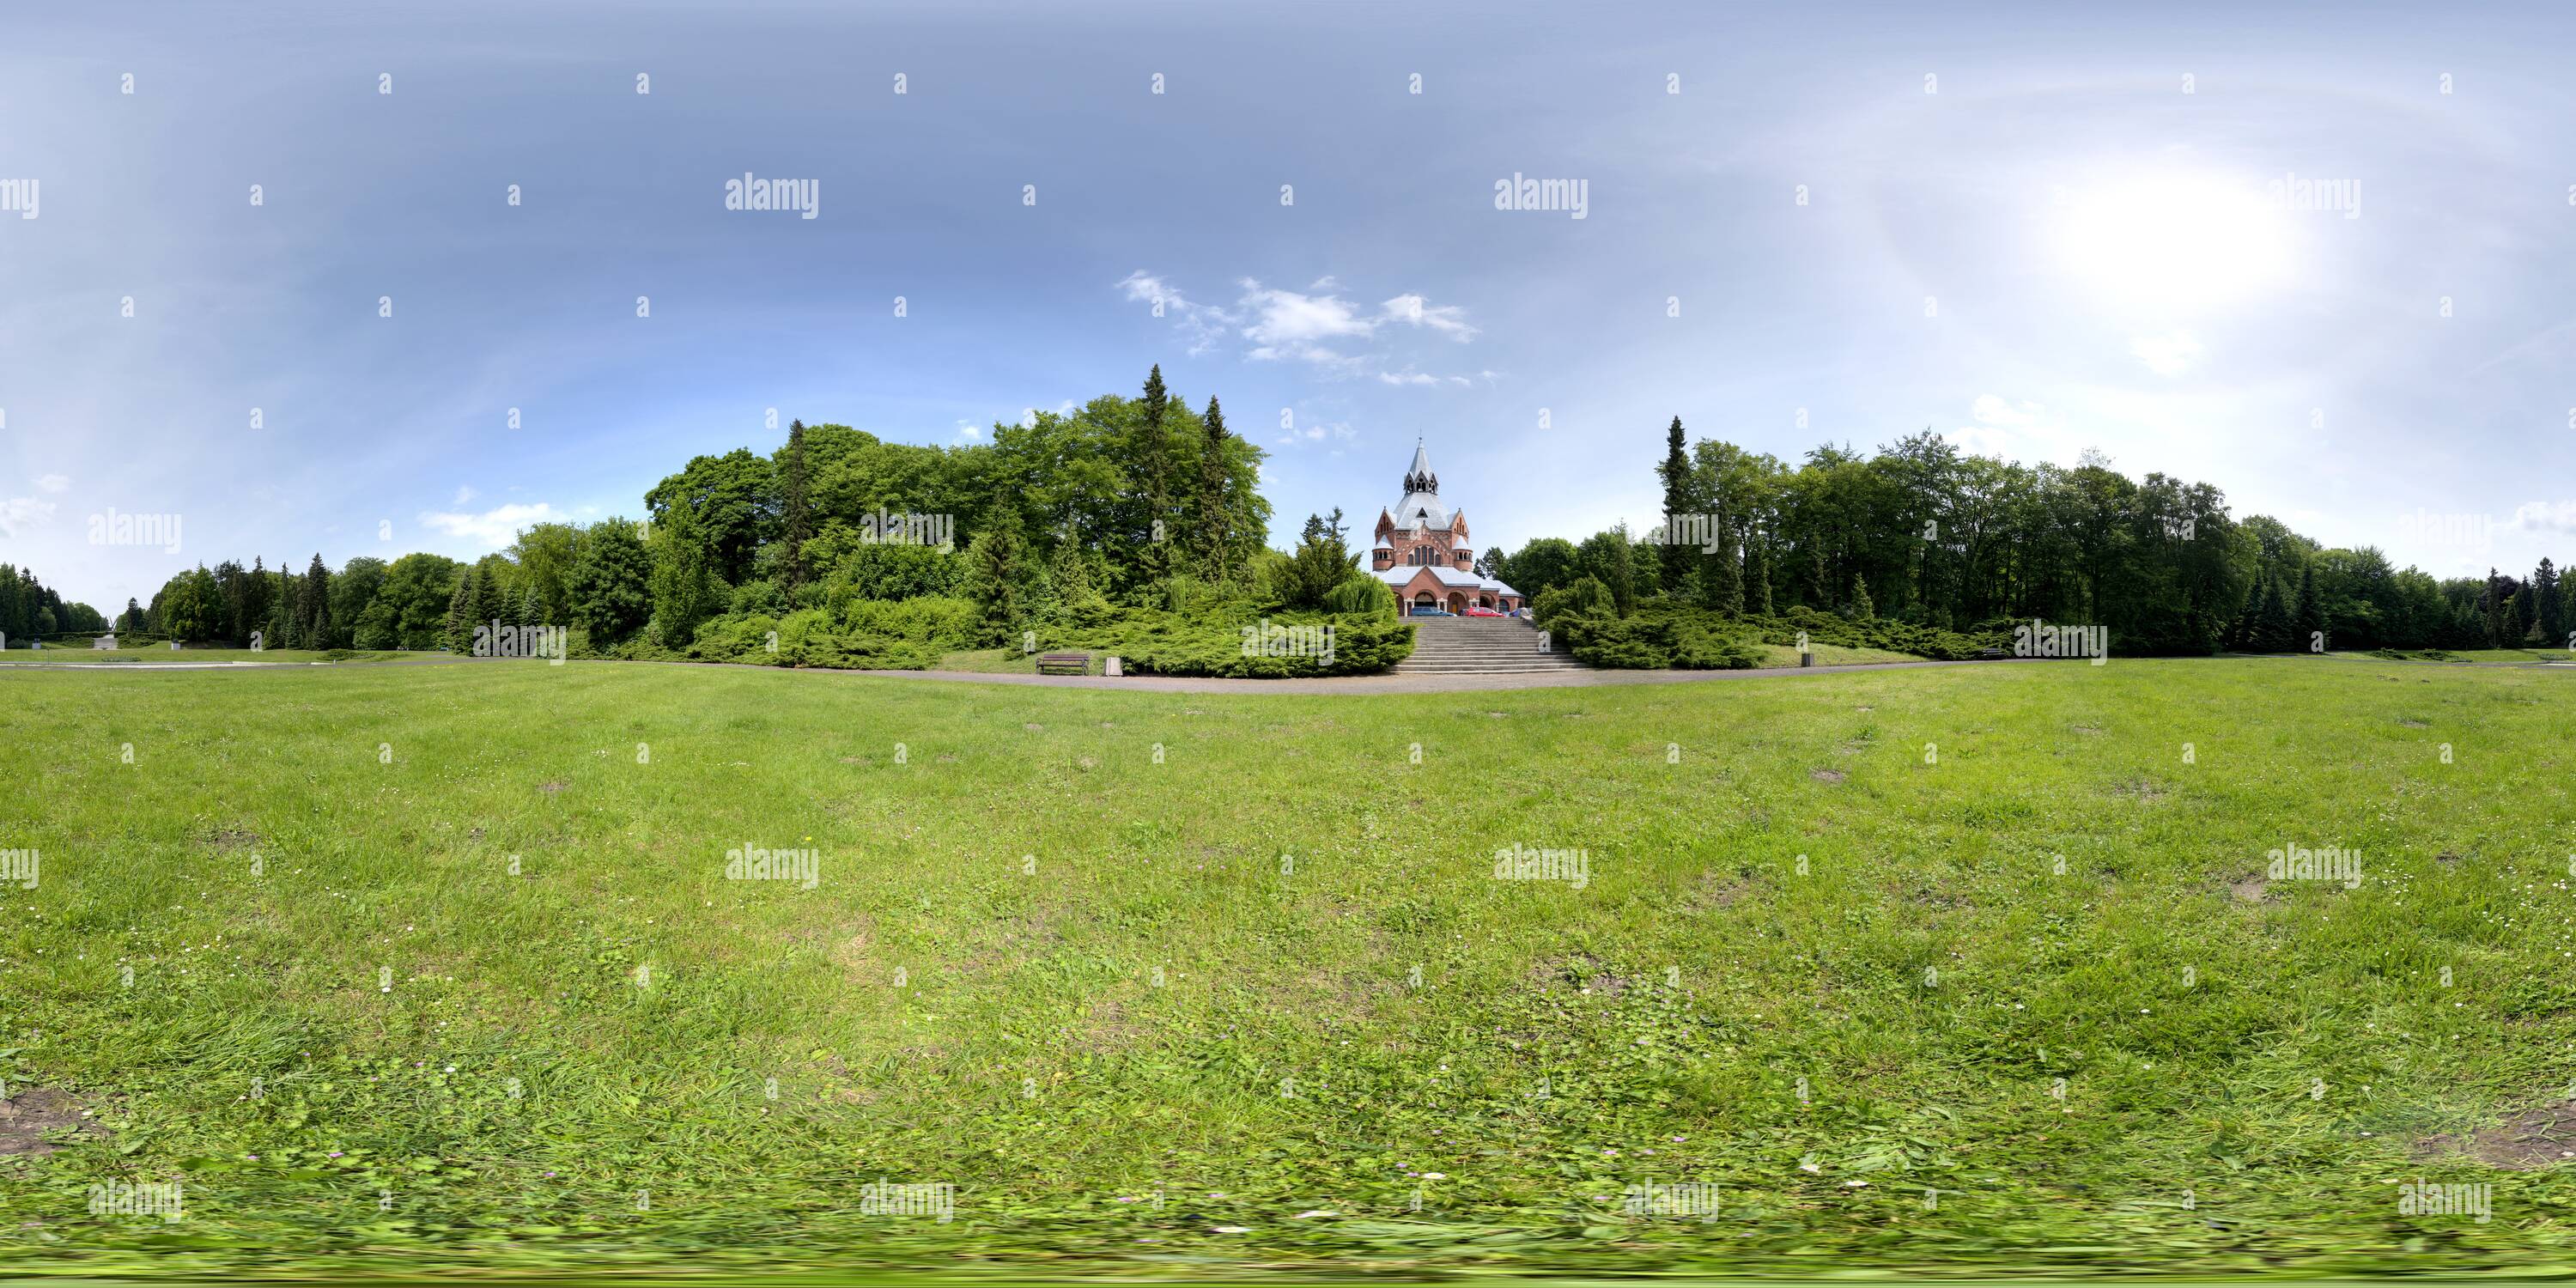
<point>1584,972</point>
<point>1717,890</point>
<point>232,838</point>
<point>2140,790</point>
<point>1108,1028</point>
<point>551,788</point>
<point>2413,724</point>
<point>2087,730</point>
<point>1826,775</point>
<point>2251,890</point>
<point>28,1116</point>
<point>2447,859</point>
<point>2541,1136</point>
<point>852,953</point>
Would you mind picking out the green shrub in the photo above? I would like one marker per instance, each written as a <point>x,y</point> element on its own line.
<point>1159,644</point>
<point>1687,640</point>
<point>801,639</point>
<point>931,619</point>
<point>1361,596</point>
<point>1582,597</point>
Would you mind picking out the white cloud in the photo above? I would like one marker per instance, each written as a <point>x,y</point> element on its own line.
<point>2167,355</point>
<point>19,513</point>
<point>1203,324</point>
<point>2546,516</point>
<point>464,496</point>
<point>1993,410</point>
<point>969,431</point>
<point>54,483</point>
<point>495,527</point>
<point>1315,325</point>
<point>1448,319</point>
<point>1289,324</point>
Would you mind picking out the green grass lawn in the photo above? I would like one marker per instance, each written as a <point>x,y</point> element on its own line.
<point>86,656</point>
<point>1961,969</point>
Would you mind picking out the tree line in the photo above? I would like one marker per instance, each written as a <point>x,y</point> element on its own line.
<point>1123,500</point>
<point>1926,534</point>
<point>29,608</point>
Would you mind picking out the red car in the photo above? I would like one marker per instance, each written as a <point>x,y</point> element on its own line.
<point>1485,612</point>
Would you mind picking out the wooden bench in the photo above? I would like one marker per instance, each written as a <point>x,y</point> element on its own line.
<point>1064,664</point>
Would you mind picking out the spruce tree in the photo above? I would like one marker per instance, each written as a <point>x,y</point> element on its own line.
<point>798,517</point>
<point>2240,635</point>
<point>997,578</point>
<point>532,610</point>
<point>459,625</point>
<point>1757,575</point>
<point>679,581</point>
<point>2551,624</point>
<point>1816,596</point>
<point>1721,578</point>
<point>2273,629</point>
<point>1623,572</point>
<point>317,612</point>
<point>288,613</point>
<point>2310,627</point>
<point>1675,483</point>
<point>1213,536</point>
<point>491,593</point>
<point>610,591</point>
<point>1861,609</point>
<point>1153,478</point>
<point>2491,607</point>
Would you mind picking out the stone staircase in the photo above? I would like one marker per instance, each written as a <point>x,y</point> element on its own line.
<point>1480,646</point>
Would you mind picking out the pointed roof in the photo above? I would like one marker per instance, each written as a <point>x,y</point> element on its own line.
<point>1421,505</point>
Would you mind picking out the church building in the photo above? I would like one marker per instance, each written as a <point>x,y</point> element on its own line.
<point>1421,551</point>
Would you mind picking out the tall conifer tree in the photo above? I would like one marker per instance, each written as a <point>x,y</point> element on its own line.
<point>1214,536</point>
<point>798,517</point>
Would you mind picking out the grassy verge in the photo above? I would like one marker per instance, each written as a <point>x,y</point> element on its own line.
<point>1963,969</point>
<point>163,657</point>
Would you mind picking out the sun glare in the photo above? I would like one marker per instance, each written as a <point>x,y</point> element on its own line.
<point>2177,241</point>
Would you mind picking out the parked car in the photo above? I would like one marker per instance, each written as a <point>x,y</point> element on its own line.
<point>1481,611</point>
<point>1433,612</point>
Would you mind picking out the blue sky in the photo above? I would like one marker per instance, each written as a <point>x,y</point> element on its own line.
<point>2074,240</point>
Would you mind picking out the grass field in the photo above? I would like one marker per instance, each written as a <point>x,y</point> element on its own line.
<point>168,657</point>
<point>1970,969</point>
